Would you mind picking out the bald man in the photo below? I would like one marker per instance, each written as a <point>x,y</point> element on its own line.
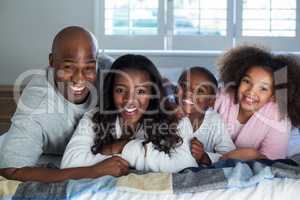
<point>49,109</point>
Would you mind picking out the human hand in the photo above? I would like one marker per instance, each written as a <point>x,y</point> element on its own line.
<point>197,149</point>
<point>114,166</point>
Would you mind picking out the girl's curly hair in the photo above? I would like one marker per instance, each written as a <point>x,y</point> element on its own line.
<point>234,64</point>
<point>287,86</point>
<point>164,138</point>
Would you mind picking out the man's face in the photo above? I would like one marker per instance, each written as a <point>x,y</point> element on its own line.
<point>75,69</point>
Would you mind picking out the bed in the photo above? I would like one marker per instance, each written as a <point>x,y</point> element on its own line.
<point>231,179</point>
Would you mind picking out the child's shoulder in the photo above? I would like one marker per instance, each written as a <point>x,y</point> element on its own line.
<point>212,115</point>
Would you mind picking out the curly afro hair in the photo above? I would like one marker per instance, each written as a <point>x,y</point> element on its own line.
<point>287,88</point>
<point>285,68</point>
<point>237,61</point>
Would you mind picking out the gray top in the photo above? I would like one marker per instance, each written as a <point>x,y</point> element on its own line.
<point>43,122</point>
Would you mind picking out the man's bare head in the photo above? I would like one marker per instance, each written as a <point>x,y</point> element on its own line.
<point>73,57</point>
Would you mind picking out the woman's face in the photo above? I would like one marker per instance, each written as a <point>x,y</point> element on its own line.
<point>131,94</point>
<point>255,89</point>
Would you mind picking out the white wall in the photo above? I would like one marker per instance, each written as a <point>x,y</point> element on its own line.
<point>27,28</point>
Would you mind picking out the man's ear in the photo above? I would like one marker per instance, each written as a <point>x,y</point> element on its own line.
<point>50,59</point>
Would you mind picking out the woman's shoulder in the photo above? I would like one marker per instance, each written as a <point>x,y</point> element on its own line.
<point>87,118</point>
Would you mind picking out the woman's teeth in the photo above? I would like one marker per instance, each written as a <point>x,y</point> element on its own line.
<point>130,109</point>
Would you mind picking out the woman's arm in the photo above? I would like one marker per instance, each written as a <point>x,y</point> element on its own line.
<point>78,152</point>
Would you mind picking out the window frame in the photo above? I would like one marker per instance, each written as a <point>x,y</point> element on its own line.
<point>275,43</point>
<point>166,41</point>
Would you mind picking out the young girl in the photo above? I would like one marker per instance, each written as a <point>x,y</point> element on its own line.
<point>130,122</point>
<point>259,101</point>
<point>197,94</point>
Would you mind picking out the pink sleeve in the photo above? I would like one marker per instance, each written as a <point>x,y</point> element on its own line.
<point>275,144</point>
<point>220,99</point>
<point>223,103</point>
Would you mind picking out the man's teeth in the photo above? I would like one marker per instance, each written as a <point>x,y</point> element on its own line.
<point>76,88</point>
<point>130,109</point>
<point>186,101</point>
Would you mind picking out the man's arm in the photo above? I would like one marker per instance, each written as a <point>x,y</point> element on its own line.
<point>23,144</point>
<point>114,166</point>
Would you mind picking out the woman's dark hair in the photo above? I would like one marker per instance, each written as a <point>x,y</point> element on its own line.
<point>234,64</point>
<point>164,139</point>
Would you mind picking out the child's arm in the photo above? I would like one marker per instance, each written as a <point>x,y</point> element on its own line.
<point>198,152</point>
<point>221,139</point>
<point>243,154</point>
<point>114,148</point>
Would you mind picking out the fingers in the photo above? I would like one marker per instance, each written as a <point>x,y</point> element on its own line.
<point>196,142</point>
<point>122,166</point>
<point>123,162</point>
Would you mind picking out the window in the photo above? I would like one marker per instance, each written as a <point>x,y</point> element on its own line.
<point>127,17</point>
<point>196,24</point>
<point>269,18</point>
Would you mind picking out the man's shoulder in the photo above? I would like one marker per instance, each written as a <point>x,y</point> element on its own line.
<point>36,91</point>
<point>104,61</point>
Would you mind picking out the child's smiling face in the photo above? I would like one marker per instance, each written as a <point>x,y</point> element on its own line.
<point>131,94</point>
<point>197,94</point>
<point>255,89</point>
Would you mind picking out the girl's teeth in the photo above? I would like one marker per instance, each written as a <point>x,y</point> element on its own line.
<point>249,99</point>
<point>188,102</point>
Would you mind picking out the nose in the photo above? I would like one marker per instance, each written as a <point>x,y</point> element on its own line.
<point>78,76</point>
<point>187,95</point>
<point>251,90</point>
<point>129,97</point>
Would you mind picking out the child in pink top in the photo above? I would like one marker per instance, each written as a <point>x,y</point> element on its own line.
<point>259,101</point>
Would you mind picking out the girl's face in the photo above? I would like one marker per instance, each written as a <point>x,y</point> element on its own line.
<point>131,94</point>
<point>196,95</point>
<point>255,89</point>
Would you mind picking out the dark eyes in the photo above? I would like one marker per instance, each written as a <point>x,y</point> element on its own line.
<point>138,91</point>
<point>141,91</point>
<point>264,89</point>
<point>245,81</point>
<point>119,90</point>
<point>200,91</point>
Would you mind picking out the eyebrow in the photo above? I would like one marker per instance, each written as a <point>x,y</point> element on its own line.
<point>123,85</point>
<point>263,83</point>
<point>70,60</point>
